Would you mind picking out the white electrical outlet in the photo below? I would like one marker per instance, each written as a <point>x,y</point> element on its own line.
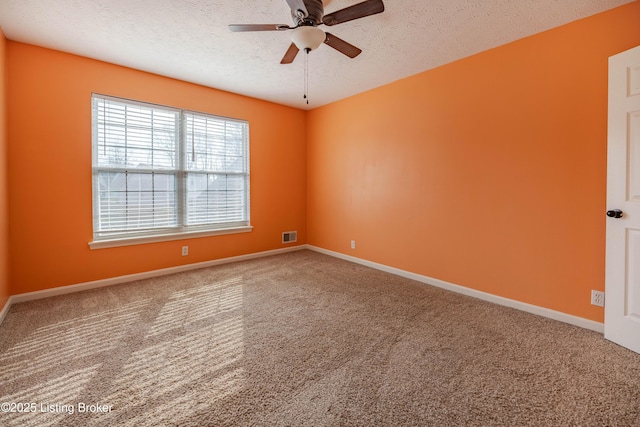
<point>353,244</point>
<point>185,250</point>
<point>597,298</point>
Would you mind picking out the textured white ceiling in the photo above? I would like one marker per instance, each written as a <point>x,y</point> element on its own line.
<point>189,39</point>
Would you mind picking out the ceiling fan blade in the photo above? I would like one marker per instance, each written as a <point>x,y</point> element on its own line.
<point>258,27</point>
<point>360,10</point>
<point>297,5</point>
<point>290,55</point>
<point>342,46</point>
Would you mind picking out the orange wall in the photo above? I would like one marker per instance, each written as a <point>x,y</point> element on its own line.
<point>489,172</point>
<point>49,122</point>
<point>4,226</point>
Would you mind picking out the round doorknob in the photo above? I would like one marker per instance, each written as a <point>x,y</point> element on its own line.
<point>615,213</point>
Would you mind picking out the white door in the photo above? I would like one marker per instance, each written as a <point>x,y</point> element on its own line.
<point>622,306</point>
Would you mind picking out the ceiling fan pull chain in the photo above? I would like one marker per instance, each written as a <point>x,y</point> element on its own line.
<point>306,74</point>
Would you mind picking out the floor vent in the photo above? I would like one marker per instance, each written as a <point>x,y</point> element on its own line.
<point>289,236</point>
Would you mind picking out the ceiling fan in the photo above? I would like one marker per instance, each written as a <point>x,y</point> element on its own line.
<point>307,16</point>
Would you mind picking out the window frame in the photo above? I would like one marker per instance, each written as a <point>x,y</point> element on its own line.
<point>181,230</point>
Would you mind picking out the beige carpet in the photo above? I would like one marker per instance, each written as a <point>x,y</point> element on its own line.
<point>303,339</point>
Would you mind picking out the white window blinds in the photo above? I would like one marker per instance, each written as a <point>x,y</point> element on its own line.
<point>160,170</point>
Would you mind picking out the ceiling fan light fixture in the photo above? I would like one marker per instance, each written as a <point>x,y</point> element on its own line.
<point>307,37</point>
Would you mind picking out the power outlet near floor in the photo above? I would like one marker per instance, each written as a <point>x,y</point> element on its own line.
<point>353,244</point>
<point>185,250</point>
<point>597,298</point>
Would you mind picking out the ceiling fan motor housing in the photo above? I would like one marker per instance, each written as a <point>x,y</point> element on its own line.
<point>315,10</point>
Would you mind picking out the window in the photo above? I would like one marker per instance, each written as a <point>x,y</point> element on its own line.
<point>161,173</point>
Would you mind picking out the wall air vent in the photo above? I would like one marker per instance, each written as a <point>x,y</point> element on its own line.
<point>289,236</point>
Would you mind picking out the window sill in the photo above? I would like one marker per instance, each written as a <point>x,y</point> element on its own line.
<point>112,243</point>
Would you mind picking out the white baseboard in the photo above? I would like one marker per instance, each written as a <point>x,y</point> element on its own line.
<point>5,309</point>
<point>529,308</point>
<point>62,290</point>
